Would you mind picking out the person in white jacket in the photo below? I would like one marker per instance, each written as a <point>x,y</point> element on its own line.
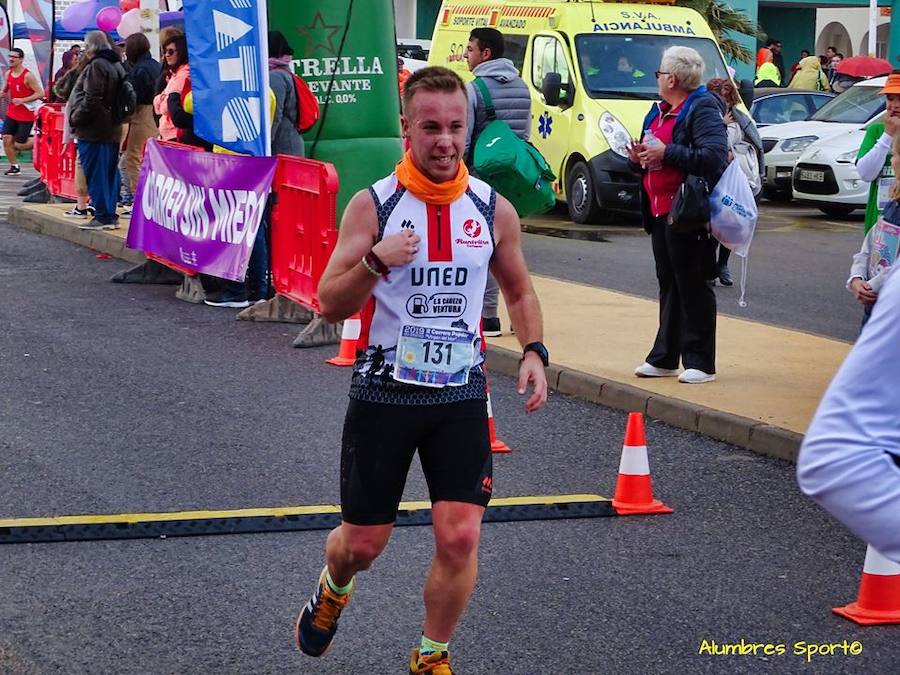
<point>849,462</point>
<point>878,253</point>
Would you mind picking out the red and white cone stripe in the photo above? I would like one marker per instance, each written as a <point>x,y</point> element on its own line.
<point>879,592</point>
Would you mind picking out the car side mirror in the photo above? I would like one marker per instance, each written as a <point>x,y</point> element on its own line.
<point>745,88</point>
<point>550,88</point>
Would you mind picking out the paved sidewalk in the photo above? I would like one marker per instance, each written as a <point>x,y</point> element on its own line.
<point>769,382</point>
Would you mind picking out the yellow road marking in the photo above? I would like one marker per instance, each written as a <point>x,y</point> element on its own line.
<point>277,512</point>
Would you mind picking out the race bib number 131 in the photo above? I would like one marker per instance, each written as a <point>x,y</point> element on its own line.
<point>434,357</point>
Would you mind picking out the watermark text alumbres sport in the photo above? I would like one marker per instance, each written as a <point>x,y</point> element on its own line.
<point>805,649</point>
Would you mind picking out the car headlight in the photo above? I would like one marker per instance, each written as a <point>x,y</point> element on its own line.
<point>848,157</point>
<point>798,144</point>
<point>615,133</point>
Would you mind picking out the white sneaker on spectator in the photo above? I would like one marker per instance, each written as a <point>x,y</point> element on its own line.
<point>75,212</point>
<point>694,376</point>
<point>646,370</point>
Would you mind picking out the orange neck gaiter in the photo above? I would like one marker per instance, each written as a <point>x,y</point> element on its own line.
<point>427,190</point>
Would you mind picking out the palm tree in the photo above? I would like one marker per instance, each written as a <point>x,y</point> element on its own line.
<point>722,19</point>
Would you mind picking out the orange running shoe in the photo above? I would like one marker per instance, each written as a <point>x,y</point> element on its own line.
<point>318,620</point>
<point>436,663</point>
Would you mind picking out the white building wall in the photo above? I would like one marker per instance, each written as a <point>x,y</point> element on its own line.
<point>848,30</point>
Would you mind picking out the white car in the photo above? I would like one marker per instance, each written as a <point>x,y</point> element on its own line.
<point>825,176</point>
<point>784,143</point>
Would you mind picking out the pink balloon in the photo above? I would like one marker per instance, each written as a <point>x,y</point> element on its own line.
<point>108,18</point>
<point>126,5</point>
<point>75,17</point>
<point>130,23</point>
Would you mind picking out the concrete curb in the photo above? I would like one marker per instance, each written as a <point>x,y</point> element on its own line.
<point>744,432</point>
<point>103,241</point>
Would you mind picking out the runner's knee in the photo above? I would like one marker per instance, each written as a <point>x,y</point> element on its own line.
<point>459,540</point>
<point>363,551</point>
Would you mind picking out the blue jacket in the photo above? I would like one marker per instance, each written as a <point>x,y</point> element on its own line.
<point>699,144</point>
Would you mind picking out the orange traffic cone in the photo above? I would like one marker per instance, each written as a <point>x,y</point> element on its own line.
<point>496,444</point>
<point>349,335</point>
<point>634,490</point>
<point>879,593</point>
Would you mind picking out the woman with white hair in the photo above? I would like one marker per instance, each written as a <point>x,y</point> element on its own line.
<point>684,136</point>
<point>98,133</point>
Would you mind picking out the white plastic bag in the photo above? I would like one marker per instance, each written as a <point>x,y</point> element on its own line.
<point>732,216</point>
<point>732,211</point>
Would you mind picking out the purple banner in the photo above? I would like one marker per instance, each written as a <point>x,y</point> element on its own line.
<point>200,210</point>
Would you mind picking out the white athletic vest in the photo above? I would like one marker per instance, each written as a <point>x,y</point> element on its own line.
<point>444,286</point>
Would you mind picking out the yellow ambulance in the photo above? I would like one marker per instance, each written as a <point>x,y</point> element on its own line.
<point>591,69</point>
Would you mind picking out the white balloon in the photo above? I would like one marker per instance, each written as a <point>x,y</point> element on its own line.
<point>130,23</point>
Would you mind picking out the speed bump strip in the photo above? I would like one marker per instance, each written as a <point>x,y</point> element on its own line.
<point>285,519</point>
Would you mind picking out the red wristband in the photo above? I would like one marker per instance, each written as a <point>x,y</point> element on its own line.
<point>376,264</point>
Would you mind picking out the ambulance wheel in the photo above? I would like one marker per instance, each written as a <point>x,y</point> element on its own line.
<point>580,197</point>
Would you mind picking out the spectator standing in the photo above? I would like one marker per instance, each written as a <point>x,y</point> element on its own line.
<point>775,47</point>
<point>286,139</point>
<point>512,104</point>
<point>874,159</point>
<point>69,59</point>
<point>683,135</point>
<point>98,134</point>
<point>176,73</point>
<point>833,64</point>
<point>767,75</point>
<point>876,258</point>
<point>143,73</point>
<point>23,88</point>
<point>745,147</point>
<point>830,53</point>
<point>62,91</point>
<point>809,75</point>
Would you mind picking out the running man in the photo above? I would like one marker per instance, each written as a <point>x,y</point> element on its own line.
<point>412,256</point>
<point>23,87</point>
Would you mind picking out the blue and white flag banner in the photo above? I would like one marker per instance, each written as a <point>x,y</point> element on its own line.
<point>228,52</point>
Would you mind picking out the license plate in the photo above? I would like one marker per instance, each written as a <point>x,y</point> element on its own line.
<point>782,173</point>
<point>813,176</point>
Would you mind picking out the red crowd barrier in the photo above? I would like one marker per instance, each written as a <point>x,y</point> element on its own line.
<point>48,146</point>
<point>303,232</point>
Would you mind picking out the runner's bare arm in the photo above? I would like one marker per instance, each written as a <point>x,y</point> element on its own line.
<point>508,266</point>
<point>37,89</point>
<point>346,283</point>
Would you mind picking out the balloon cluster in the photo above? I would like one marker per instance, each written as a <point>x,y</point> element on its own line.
<point>124,19</point>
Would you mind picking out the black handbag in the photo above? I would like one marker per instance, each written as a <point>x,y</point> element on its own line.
<point>690,207</point>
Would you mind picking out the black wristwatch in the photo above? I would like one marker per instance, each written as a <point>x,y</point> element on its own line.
<point>539,349</point>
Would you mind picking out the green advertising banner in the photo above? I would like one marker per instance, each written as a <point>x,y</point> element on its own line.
<point>346,52</point>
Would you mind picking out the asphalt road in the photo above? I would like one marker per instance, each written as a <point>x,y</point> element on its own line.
<point>797,268</point>
<point>123,399</point>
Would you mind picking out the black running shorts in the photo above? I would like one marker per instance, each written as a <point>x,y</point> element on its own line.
<point>20,131</point>
<point>380,440</point>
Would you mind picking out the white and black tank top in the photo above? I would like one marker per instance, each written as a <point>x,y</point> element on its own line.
<point>443,287</point>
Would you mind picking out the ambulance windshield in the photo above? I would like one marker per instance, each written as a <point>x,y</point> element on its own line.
<point>617,66</point>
